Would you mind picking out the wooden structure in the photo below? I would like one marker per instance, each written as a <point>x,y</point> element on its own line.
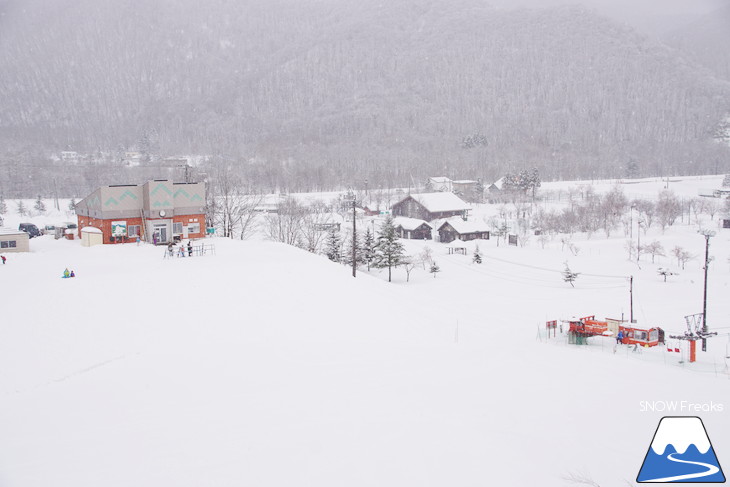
<point>456,228</point>
<point>412,228</point>
<point>431,206</point>
<point>456,247</point>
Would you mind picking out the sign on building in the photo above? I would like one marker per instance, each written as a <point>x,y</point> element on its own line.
<point>119,228</point>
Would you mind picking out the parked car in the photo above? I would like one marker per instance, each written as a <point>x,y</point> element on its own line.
<point>49,230</point>
<point>30,229</point>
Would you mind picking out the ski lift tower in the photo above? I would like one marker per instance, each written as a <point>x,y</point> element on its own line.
<point>695,331</point>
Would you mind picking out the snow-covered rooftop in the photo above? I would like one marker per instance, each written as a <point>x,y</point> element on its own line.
<point>434,202</point>
<point>90,230</point>
<point>471,226</point>
<point>409,223</point>
<point>439,179</point>
<point>10,231</point>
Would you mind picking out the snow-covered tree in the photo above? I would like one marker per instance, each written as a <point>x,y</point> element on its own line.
<point>654,248</point>
<point>434,269</point>
<point>726,181</point>
<point>3,206</point>
<point>409,263</point>
<point>682,255</point>
<point>426,256</point>
<point>665,272</point>
<point>569,276</point>
<point>333,245</point>
<point>368,248</point>
<point>20,208</point>
<point>39,206</point>
<point>347,250</point>
<point>72,204</point>
<point>477,258</point>
<point>389,251</point>
<point>668,209</point>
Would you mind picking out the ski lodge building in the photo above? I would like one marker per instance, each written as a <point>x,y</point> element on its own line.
<point>157,211</point>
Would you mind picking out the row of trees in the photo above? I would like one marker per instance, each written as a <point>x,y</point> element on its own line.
<point>594,212</point>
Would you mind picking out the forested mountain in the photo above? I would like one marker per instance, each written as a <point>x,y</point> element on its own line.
<point>707,42</point>
<point>314,94</point>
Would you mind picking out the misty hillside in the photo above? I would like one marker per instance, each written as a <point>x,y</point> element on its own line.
<point>706,41</point>
<point>346,89</point>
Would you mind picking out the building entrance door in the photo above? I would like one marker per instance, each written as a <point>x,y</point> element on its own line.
<point>161,231</point>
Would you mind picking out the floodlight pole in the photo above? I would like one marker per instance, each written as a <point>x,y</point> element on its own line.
<point>707,235</point>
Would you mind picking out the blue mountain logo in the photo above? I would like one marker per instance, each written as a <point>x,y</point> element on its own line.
<point>681,452</point>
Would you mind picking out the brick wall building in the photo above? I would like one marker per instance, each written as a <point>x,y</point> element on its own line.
<point>157,211</point>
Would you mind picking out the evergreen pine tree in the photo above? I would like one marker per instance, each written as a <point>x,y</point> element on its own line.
<point>333,246</point>
<point>569,276</point>
<point>434,269</point>
<point>389,251</point>
<point>39,206</point>
<point>479,190</point>
<point>72,204</point>
<point>347,253</point>
<point>477,256</point>
<point>3,206</point>
<point>20,208</point>
<point>368,248</point>
<point>726,181</point>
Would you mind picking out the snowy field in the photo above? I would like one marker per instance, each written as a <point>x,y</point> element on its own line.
<point>265,365</point>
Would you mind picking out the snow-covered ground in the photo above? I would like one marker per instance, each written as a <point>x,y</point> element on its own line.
<point>266,365</point>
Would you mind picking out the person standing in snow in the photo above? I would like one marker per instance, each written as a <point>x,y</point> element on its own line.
<point>620,337</point>
<point>3,259</point>
<point>190,248</point>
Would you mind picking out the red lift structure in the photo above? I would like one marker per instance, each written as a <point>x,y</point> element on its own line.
<point>695,332</point>
<point>589,326</point>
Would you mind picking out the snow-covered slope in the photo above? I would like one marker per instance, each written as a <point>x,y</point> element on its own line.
<point>266,365</point>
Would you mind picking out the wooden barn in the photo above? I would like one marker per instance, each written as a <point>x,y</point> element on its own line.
<point>431,206</point>
<point>412,228</point>
<point>456,228</point>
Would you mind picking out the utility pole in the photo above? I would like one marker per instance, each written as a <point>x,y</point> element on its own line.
<point>631,299</point>
<point>707,234</point>
<point>55,195</point>
<point>638,240</point>
<point>354,241</point>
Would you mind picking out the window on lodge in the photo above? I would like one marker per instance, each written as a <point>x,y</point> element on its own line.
<point>133,230</point>
<point>193,227</point>
<point>8,244</point>
<point>177,228</point>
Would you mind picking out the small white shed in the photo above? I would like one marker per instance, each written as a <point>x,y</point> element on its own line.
<point>91,236</point>
<point>13,241</point>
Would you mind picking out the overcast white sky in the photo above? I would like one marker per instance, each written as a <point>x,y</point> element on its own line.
<point>651,16</point>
